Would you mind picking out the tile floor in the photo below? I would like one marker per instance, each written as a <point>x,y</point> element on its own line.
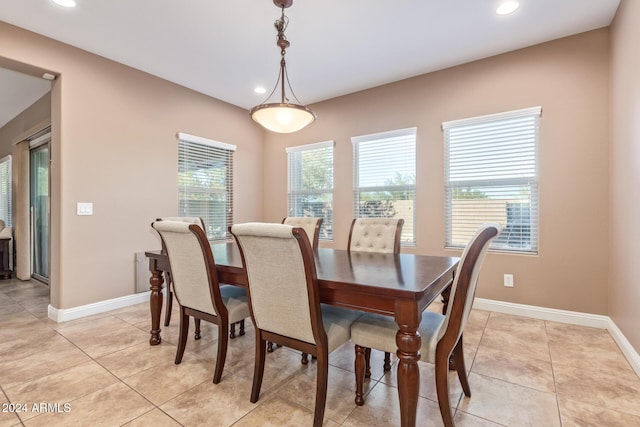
<point>523,372</point>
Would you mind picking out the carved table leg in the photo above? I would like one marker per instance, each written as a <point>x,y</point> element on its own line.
<point>409,342</point>
<point>155,302</point>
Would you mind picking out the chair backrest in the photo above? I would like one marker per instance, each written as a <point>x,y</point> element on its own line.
<point>188,219</point>
<point>463,290</point>
<point>375,235</point>
<point>193,271</point>
<point>311,226</point>
<point>283,294</point>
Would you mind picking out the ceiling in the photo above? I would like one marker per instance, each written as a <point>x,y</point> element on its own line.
<point>226,48</point>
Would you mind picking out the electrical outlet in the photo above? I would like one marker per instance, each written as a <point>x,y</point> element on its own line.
<point>508,280</point>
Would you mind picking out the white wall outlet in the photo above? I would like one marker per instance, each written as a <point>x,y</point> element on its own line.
<point>85,209</point>
<point>508,280</point>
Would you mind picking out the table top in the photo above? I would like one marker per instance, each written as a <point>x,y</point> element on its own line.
<point>406,276</point>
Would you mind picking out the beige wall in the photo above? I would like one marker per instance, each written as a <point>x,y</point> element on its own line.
<point>114,144</point>
<point>569,79</point>
<point>624,282</point>
<point>38,112</point>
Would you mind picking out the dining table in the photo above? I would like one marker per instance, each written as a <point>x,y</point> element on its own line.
<point>397,285</point>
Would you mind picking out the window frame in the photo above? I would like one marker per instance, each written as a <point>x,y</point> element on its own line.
<point>5,189</point>
<point>218,150</point>
<point>380,138</point>
<point>326,230</point>
<point>528,179</point>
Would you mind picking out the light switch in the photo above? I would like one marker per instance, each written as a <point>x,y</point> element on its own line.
<point>85,208</point>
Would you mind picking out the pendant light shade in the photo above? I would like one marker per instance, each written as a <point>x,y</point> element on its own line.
<point>283,116</point>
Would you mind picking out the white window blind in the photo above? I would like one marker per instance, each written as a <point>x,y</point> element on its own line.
<point>310,189</point>
<point>384,181</point>
<point>205,183</point>
<point>5,191</point>
<point>491,176</point>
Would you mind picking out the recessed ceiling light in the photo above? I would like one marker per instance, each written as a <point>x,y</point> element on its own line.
<point>260,90</point>
<point>507,7</point>
<point>65,3</point>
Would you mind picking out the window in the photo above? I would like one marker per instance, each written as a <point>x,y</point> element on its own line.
<point>384,178</point>
<point>205,183</point>
<point>310,188</point>
<point>5,191</point>
<point>491,176</point>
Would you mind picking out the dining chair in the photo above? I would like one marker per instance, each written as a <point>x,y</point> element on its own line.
<point>167,315</point>
<point>375,235</point>
<point>196,286</point>
<point>284,300</point>
<point>311,226</point>
<point>441,334</point>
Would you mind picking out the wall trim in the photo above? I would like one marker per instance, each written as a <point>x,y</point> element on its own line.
<point>63,315</point>
<point>566,316</point>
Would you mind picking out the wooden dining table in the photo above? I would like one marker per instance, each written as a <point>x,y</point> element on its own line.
<point>401,286</point>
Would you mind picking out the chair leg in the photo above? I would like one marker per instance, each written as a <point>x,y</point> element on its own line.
<point>197,333</point>
<point>321,388</point>
<point>232,335</point>
<point>367,362</point>
<point>387,361</point>
<point>359,368</point>
<point>258,370</point>
<point>458,358</point>
<point>442,387</point>
<point>222,351</point>
<point>182,337</point>
<point>241,328</point>
<point>305,359</point>
<point>169,307</point>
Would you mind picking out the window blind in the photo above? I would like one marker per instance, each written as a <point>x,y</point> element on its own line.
<point>384,180</point>
<point>310,187</point>
<point>491,176</point>
<point>205,183</point>
<point>5,191</point>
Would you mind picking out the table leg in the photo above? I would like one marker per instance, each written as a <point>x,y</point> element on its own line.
<point>409,342</point>
<point>155,302</point>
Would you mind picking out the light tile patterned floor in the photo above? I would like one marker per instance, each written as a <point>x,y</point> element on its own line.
<point>523,372</point>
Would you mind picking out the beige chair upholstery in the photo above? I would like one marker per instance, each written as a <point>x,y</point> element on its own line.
<point>441,334</point>
<point>169,306</point>
<point>285,300</point>
<point>380,235</point>
<point>375,235</point>
<point>7,232</point>
<point>167,315</point>
<point>311,226</point>
<point>196,286</point>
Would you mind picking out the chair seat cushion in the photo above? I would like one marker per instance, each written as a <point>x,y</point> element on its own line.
<point>337,324</point>
<point>379,332</point>
<point>235,299</point>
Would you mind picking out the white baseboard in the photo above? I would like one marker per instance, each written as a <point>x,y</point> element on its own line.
<point>627,349</point>
<point>565,316</point>
<point>64,315</point>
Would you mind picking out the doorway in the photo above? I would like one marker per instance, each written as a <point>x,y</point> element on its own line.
<point>40,206</point>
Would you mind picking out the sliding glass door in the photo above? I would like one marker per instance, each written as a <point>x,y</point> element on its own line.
<point>40,205</point>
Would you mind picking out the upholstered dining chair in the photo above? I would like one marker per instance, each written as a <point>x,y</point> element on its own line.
<point>167,315</point>
<point>196,286</point>
<point>441,334</point>
<point>284,299</point>
<point>311,226</point>
<point>375,235</point>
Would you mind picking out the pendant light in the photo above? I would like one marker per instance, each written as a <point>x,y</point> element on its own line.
<point>283,116</point>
